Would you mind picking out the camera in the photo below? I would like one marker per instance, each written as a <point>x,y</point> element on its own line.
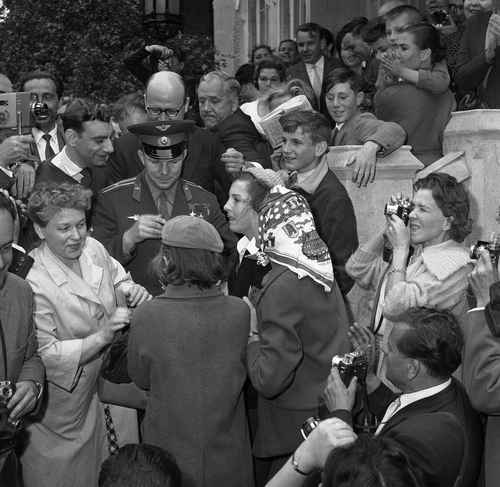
<point>20,111</point>
<point>308,425</point>
<point>353,364</point>
<point>440,18</point>
<point>7,428</point>
<point>493,247</point>
<point>400,207</point>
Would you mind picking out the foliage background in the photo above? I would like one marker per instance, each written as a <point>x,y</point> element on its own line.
<point>84,42</point>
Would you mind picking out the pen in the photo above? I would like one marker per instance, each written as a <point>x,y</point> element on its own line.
<point>133,217</point>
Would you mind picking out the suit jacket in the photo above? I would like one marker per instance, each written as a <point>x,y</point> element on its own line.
<point>239,132</point>
<point>132,196</point>
<point>364,127</point>
<point>192,343</point>
<point>6,181</point>
<point>441,434</point>
<point>289,365</point>
<point>472,67</point>
<point>202,165</point>
<point>60,141</point>
<point>481,368</point>
<point>335,222</point>
<point>299,71</point>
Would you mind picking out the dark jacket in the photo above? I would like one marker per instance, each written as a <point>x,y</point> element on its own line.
<point>239,132</point>
<point>335,222</point>
<point>290,363</point>
<point>472,67</point>
<point>187,348</point>
<point>131,197</point>
<point>202,165</point>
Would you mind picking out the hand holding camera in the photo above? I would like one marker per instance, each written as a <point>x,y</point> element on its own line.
<point>484,274</point>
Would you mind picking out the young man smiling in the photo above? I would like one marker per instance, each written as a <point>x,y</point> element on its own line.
<point>306,136</point>
<point>353,127</point>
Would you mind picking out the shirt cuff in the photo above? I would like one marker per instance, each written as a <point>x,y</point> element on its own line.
<point>7,171</point>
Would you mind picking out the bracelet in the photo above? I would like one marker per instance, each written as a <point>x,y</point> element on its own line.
<point>296,466</point>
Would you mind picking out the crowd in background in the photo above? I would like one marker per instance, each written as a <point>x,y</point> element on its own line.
<point>177,269</point>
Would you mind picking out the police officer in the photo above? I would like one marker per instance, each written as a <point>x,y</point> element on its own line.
<point>130,214</point>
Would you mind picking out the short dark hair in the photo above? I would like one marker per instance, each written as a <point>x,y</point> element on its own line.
<point>258,191</point>
<point>197,267</point>
<point>311,28</point>
<point>371,461</point>
<point>433,337</point>
<point>327,35</point>
<point>344,75</point>
<point>452,199</point>
<point>42,75</point>
<point>373,31</point>
<point>256,48</point>
<point>126,104</point>
<point>312,123</point>
<point>80,111</point>
<point>7,205</point>
<point>291,41</point>
<point>413,13</point>
<point>426,36</point>
<point>140,465</point>
<point>47,199</point>
<point>271,64</point>
<point>354,27</point>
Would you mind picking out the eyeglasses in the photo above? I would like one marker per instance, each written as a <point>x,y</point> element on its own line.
<point>169,112</point>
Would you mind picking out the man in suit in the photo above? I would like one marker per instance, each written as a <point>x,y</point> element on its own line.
<point>344,96</point>
<point>21,365</point>
<point>313,68</point>
<point>432,419</point>
<point>218,98</point>
<point>84,158</point>
<point>165,100</point>
<point>481,359</point>
<point>304,148</point>
<point>130,214</point>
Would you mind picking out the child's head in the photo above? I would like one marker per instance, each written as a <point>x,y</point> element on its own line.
<point>344,94</point>
<point>399,18</point>
<point>374,35</point>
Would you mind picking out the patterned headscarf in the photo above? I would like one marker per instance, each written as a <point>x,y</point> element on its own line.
<point>288,236</point>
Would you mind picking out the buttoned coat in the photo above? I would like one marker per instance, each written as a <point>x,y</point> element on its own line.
<point>132,197</point>
<point>68,442</point>
<point>301,328</point>
<point>187,348</point>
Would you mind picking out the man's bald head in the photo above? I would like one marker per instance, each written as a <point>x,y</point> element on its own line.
<point>166,94</point>
<point>5,84</point>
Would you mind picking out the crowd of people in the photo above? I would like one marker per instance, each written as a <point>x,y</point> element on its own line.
<point>175,270</point>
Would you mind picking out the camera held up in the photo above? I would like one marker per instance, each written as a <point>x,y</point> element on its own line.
<point>21,110</point>
<point>492,246</point>
<point>401,207</point>
<point>7,427</point>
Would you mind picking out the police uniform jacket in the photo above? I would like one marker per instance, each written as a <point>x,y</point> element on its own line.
<point>131,197</point>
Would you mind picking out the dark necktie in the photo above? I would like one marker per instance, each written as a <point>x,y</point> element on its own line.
<point>335,132</point>
<point>86,180</point>
<point>49,152</point>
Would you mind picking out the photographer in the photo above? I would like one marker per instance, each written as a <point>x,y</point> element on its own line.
<point>432,419</point>
<point>21,370</point>
<point>481,358</point>
<point>436,274</point>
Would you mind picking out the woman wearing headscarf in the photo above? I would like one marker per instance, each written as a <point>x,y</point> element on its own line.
<point>81,294</point>
<point>301,320</point>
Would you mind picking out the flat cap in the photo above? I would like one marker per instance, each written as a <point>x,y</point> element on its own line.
<point>191,232</point>
<point>163,139</point>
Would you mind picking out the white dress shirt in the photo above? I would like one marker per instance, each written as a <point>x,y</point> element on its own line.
<point>41,142</point>
<point>313,70</point>
<point>67,166</point>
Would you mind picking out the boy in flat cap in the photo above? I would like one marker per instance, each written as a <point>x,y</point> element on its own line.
<point>130,214</point>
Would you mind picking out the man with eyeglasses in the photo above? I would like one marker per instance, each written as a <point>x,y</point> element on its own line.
<point>130,214</point>
<point>165,99</point>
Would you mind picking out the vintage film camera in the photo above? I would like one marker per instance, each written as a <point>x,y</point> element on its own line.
<point>7,428</point>
<point>353,364</point>
<point>19,111</point>
<point>400,207</point>
<point>493,247</point>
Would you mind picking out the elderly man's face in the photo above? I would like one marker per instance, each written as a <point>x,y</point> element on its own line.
<point>215,103</point>
<point>165,105</point>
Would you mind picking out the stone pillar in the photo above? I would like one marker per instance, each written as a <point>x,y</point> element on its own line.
<point>395,173</point>
<point>229,26</point>
<point>477,134</point>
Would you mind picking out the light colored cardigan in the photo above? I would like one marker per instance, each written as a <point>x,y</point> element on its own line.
<point>435,277</point>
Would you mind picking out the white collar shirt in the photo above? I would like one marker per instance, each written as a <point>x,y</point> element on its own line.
<point>67,166</point>
<point>41,143</point>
